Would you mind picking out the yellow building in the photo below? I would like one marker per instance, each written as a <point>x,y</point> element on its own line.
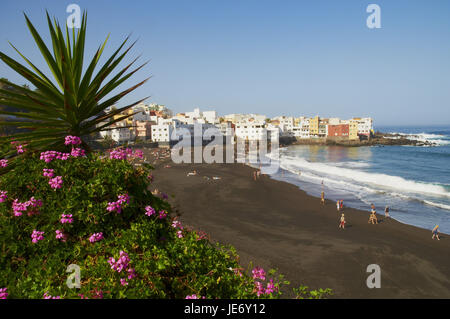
<point>128,121</point>
<point>353,129</point>
<point>314,126</point>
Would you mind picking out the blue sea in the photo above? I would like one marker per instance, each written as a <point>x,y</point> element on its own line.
<point>414,181</point>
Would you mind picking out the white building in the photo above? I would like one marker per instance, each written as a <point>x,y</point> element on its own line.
<point>251,130</point>
<point>365,125</point>
<point>121,134</point>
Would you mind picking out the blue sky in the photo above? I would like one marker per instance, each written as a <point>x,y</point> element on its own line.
<point>269,57</point>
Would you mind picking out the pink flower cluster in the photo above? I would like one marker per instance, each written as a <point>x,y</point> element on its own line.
<point>66,219</point>
<point>49,156</point>
<point>149,211</point>
<point>3,163</point>
<point>3,293</point>
<point>36,236</point>
<point>3,196</point>
<point>177,224</point>
<point>77,152</point>
<point>194,296</point>
<point>97,294</point>
<point>96,237</point>
<point>117,206</point>
<point>19,207</point>
<point>139,154</point>
<point>56,182</point>
<point>47,296</point>
<point>122,264</point>
<point>72,140</point>
<point>48,172</point>
<point>60,235</point>
<point>124,153</point>
<point>259,273</point>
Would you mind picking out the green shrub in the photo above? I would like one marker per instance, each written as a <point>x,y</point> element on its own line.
<point>169,262</point>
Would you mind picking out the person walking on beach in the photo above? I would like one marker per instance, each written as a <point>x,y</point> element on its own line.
<point>322,198</point>
<point>254,175</point>
<point>386,212</point>
<point>342,223</point>
<point>338,205</point>
<point>435,232</point>
<point>341,204</point>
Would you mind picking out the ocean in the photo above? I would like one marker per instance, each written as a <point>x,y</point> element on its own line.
<point>414,181</point>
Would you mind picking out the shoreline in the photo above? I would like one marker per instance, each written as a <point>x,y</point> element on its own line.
<point>277,225</point>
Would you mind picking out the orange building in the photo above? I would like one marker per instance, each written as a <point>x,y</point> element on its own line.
<point>340,130</point>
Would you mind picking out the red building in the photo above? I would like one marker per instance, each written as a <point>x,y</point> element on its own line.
<point>340,130</point>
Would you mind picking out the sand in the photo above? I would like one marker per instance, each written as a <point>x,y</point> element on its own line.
<point>277,225</point>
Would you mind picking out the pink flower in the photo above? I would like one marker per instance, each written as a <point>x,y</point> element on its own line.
<point>36,236</point>
<point>96,237</point>
<point>48,172</point>
<point>47,296</point>
<point>123,198</point>
<point>117,206</point>
<point>259,288</point>
<point>77,152</point>
<point>97,294</point>
<point>56,182</point>
<point>138,154</point>
<point>131,273</point>
<point>180,234</point>
<point>149,211</point>
<point>121,263</point>
<point>3,163</point>
<point>20,149</point>
<point>72,140</point>
<point>194,296</point>
<point>259,273</point>
<point>49,156</point>
<point>3,196</point>
<point>270,287</point>
<point>60,235</point>
<point>66,219</point>
<point>18,207</point>
<point>34,202</point>
<point>3,293</point>
<point>123,282</point>
<point>162,214</point>
<point>177,224</point>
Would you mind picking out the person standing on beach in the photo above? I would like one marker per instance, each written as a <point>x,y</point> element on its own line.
<point>373,217</point>
<point>341,204</point>
<point>338,205</point>
<point>322,198</point>
<point>342,223</point>
<point>386,212</point>
<point>435,232</point>
<point>254,175</point>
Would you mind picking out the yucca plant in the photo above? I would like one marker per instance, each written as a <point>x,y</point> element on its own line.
<point>70,102</point>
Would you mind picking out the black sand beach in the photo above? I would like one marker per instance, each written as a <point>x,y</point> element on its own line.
<point>276,225</point>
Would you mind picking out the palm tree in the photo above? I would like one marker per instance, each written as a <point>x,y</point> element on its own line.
<point>73,102</point>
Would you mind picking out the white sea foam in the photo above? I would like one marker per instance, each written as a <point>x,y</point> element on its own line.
<point>425,137</point>
<point>373,180</point>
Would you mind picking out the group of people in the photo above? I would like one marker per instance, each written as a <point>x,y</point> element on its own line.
<point>373,215</point>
